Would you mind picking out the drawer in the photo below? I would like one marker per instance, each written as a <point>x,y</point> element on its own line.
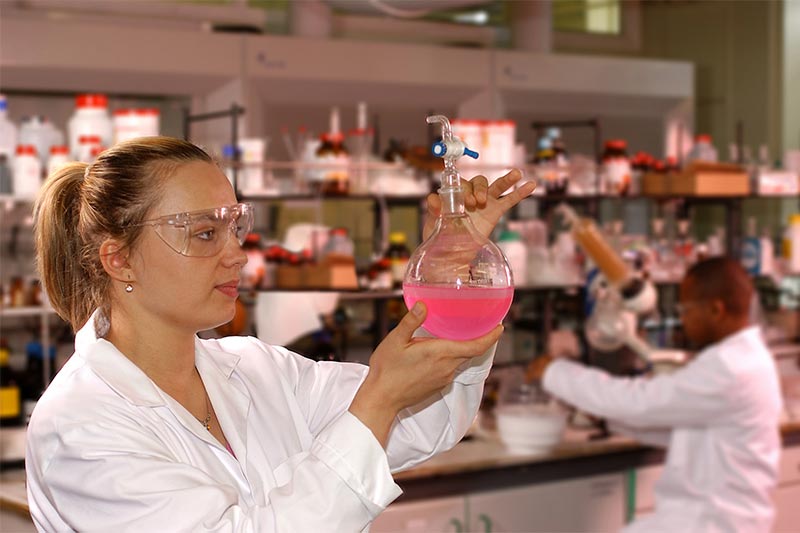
<point>789,470</point>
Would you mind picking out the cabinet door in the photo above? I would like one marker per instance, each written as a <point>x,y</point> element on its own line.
<point>427,516</point>
<point>646,478</point>
<point>593,504</point>
<point>787,512</point>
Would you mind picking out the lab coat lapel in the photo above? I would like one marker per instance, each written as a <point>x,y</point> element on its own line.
<point>231,401</point>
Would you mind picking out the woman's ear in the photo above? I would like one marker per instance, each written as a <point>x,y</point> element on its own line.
<point>114,257</point>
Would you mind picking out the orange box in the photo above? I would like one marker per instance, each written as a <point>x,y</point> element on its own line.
<point>699,179</point>
<point>330,273</point>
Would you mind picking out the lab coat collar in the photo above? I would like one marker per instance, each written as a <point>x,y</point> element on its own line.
<point>127,379</point>
<point>750,332</point>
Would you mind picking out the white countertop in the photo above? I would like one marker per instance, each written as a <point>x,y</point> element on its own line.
<point>482,452</point>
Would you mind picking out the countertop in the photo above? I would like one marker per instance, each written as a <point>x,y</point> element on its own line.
<point>477,455</point>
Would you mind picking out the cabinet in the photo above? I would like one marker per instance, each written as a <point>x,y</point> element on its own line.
<point>588,504</point>
<point>787,513</point>
<point>645,479</point>
<point>426,516</point>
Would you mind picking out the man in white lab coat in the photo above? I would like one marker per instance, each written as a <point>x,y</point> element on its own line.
<point>718,415</point>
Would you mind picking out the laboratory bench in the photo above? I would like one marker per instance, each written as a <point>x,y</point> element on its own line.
<point>479,476</point>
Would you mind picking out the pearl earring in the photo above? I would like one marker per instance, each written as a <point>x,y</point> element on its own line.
<point>128,288</point>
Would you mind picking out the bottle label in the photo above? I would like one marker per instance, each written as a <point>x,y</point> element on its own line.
<point>399,269</point>
<point>751,256</point>
<point>9,402</point>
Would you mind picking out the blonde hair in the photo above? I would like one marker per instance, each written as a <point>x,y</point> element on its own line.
<point>80,206</point>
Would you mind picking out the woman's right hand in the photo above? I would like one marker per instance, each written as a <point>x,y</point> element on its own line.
<point>404,371</point>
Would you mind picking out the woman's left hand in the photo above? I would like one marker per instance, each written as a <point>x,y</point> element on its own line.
<point>483,202</point>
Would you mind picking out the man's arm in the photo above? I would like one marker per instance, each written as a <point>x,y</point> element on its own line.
<point>693,395</point>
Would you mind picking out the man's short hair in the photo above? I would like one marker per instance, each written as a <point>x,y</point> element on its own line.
<point>722,278</point>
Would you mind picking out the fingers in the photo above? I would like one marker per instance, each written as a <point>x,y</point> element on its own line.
<point>473,347</point>
<point>434,204</point>
<point>516,196</point>
<point>502,184</point>
<point>409,324</point>
<point>476,191</point>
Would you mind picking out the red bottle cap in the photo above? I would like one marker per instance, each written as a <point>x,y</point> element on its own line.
<point>617,144</point>
<point>58,149</point>
<point>91,100</point>
<point>26,149</point>
<point>88,139</point>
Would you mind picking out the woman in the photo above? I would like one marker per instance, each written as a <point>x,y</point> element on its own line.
<point>148,427</point>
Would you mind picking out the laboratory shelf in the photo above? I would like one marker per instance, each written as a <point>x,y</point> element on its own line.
<point>27,311</point>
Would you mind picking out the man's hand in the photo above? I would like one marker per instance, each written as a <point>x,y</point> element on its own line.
<point>537,367</point>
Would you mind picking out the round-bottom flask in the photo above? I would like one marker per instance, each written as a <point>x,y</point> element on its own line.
<point>462,277</point>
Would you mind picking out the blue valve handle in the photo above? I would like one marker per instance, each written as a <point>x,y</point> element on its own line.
<point>439,149</point>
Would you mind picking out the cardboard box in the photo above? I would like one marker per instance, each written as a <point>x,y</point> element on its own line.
<point>655,184</point>
<point>699,179</point>
<point>331,273</point>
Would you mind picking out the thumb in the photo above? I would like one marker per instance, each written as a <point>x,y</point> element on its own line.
<point>409,324</point>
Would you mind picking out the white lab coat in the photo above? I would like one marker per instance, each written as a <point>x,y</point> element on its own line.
<point>720,417</point>
<point>109,451</point>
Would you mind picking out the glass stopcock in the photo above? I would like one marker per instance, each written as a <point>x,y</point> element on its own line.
<point>462,277</point>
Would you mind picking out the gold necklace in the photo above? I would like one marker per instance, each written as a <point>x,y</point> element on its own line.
<point>207,422</point>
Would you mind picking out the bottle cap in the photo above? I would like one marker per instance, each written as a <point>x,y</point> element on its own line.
<point>89,139</point>
<point>229,151</point>
<point>397,237</point>
<point>26,149</point>
<point>617,144</point>
<point>59,149</point>
<point>703,138</point>
<point>91,100</point>
<point>508,236</point>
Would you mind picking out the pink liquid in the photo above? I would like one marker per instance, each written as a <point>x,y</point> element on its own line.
<point>460,313</point>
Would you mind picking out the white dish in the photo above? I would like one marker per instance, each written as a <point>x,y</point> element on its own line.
<point>530,428</point>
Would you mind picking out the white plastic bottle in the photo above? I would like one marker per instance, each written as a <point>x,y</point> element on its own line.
<point>131,123</point>
<point>27,173</point>
<point>516,253</point>
<point>791,244</point>
<point>767,249</point>
<point>86,146</point>
<point>59,156</point>
<point>90,118</point>
<point>41,133</point>
<point>703,150</point>
<point>8,132</point>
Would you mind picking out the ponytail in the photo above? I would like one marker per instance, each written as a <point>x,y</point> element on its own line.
<point>59,246</point>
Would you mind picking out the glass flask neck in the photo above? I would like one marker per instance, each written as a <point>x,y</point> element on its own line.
<point>451,192</point>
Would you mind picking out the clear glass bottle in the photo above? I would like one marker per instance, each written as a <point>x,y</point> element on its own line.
<point>334,154</point>
<point>462,276</point>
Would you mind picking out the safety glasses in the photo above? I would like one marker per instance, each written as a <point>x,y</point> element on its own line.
<point>203,233</point>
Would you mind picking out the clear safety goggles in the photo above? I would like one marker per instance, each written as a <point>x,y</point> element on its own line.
<point>203,233</point>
